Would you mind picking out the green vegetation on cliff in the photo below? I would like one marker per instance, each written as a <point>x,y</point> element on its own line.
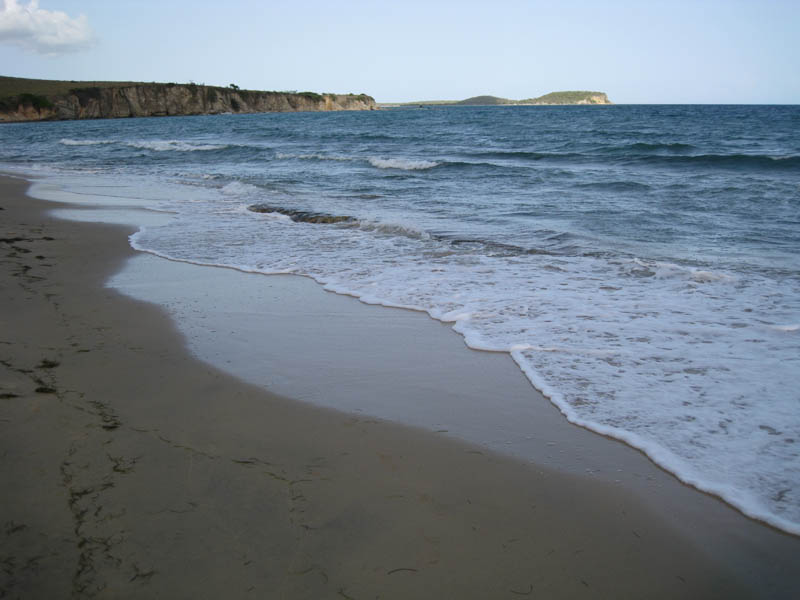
<point>34,100</point>
<point>39,99</point>
<point>15,91</point>
<point>16,86</point>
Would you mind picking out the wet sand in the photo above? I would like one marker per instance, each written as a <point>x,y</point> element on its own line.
<point>132,469</point>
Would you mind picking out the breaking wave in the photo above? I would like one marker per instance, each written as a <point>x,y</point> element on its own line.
<point>403,164</point>
<point>71,142</point>
<point>174,146</point>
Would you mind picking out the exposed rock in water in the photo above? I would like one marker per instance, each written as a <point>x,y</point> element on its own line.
<point>302,216</point>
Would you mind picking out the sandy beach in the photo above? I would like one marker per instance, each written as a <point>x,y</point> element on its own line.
<point>132,469</point>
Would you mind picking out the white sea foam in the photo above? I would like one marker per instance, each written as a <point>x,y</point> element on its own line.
<point>792,328</point>
<point>71,142</point>
<point>237,188</point>
<point>664,270</point>
<point>393,229</point>
<point>403,164</point>
<point>174,146</point>
<point>272,216</point>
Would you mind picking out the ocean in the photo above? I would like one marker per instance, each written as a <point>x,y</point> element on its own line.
<point>641,264</point>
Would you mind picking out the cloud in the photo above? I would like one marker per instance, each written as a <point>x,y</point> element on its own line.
<point>44,31</point>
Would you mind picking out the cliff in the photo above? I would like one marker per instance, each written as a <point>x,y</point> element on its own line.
<point>559,98</point>
<point>111,101</point>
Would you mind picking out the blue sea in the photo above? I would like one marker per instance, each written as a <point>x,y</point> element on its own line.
<point>641,264</point>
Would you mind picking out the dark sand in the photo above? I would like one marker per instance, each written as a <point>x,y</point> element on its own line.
<point>129,469</point>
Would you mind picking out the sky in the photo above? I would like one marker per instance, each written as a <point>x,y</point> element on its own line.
<point>700,51</point>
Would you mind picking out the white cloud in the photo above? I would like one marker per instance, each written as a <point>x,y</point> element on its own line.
<point>50,32</point>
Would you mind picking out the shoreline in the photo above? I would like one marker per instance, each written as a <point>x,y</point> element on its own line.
<point>516,447</point>
<point>144,467</point>
<point>483,422</point>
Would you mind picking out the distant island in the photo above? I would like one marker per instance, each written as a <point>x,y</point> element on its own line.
<point>48,100</point>
<point>552,99</point>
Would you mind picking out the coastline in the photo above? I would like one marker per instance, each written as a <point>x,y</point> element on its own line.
<point>26,100</point>
<point>137,469</point>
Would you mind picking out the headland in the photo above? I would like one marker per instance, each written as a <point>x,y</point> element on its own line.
<point>45,100</point>
<point>567,98</point>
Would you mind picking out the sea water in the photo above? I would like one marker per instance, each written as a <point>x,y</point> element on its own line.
<point>641,264</point>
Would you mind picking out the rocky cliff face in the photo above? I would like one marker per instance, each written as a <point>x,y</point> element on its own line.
<point>569,98</point>
<point>595,99</point>
<point>598,99</point>
<point>152,100</point>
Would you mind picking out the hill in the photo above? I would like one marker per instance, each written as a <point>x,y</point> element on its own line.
<point>484,101</point>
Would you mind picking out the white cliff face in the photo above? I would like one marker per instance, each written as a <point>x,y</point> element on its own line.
<point>596,99</point>
<point>555,100</point>
<point>150,100</point>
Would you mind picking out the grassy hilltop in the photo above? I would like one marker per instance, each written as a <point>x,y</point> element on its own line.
<point>16,86</point>
<point>37,92</point>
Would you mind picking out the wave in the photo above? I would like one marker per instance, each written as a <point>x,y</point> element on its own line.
<point>731,161</point>
<point>615,186</point>
<point>462,244</point>
<point>174,146</point>
<point>531,156</point>
<point>71,142</point>
<point>640,268</point>
<point>552,243</point>
<point>672,147</point>
<point>657,148</point>
<point>633,154</point>
<point>483,165</point>
<point>237,188</point>
<point>313,156</point>
<point>404,164</point>
<point>493,248</point>
<point>401,164</point>
<point>398,229</point>
<point>307,216</point>
<point>793,328</point>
